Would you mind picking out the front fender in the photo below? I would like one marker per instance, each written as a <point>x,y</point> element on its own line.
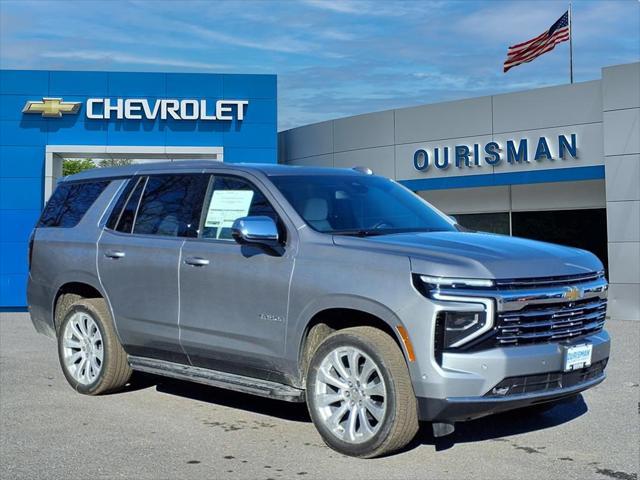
<point>345,301</point>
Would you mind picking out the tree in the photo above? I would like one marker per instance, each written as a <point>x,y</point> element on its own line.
<point>115,162</point>
<point>76,165</point>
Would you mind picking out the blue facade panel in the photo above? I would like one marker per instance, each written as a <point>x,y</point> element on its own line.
<point>245,86</point>
<point>20,194</point>
<point>17,223</point>
<point>21,161</point>
<point>24,82</point>
<point>24,137</point>
<point>187,85</point>
<point>95,84</point>
<point>121,84</point>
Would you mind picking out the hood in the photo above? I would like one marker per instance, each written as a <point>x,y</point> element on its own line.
<point>479,255</point>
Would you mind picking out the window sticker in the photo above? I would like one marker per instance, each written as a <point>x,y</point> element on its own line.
<point>225,207</point>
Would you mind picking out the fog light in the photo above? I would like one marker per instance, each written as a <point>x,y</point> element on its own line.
<point>500,391</point>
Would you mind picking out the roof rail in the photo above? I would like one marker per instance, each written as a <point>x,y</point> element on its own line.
<point>365,170</point>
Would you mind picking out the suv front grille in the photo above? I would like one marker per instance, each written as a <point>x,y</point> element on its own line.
<point>550,322</point>
<point>535,310</point>
<point>518,283</point>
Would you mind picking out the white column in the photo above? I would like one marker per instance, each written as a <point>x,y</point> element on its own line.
<point>621,125</point>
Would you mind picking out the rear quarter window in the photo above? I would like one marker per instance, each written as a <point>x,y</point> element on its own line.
<point>69,203</point>
<point>125,199</point>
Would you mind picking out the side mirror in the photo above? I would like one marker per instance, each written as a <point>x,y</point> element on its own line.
<point>258,230</point>
<point>454,219</point>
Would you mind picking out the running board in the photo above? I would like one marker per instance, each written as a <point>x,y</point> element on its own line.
<point>214,378</point>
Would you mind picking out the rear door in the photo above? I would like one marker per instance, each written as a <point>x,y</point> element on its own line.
<point>138,257</point>
<point>233,298</point>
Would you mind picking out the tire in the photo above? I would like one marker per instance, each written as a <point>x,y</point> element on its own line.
<point>90,354</point>
<point>383,405</point>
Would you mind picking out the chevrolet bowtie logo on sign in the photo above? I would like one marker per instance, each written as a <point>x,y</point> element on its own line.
<point>51,107</point>
<point>572,294</point>
<point>142,109</point>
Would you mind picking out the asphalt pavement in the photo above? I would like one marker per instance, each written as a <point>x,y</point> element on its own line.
<point>168,429</point>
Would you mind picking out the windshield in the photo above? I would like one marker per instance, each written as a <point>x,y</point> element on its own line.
<point>358,205</point>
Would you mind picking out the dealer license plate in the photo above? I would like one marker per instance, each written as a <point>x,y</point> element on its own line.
<point>577,356</point>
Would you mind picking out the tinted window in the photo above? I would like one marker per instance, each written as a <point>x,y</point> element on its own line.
<point>566,227</point>
<point>125,224</point>
<point>171,205</point>
<point>358,205</point>
<point>232,198</point>
<point>122,199</point>
<point>69,203</point>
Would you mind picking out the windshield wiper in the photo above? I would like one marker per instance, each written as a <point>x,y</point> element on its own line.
<point>359,233</point>
<point>389,231</point>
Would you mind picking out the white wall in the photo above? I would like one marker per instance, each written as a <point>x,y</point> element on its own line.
<point>621,114</point>
<point>386,141</point>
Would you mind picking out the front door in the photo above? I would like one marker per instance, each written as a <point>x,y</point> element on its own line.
<point>138,257</point>
<point>233,298</point>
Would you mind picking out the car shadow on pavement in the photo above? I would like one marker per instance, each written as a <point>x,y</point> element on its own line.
<point>140,381</point>
<point>296,412</point>
<point>495,427</point>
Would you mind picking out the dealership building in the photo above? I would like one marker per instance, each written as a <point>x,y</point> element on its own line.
<point>559,164</point>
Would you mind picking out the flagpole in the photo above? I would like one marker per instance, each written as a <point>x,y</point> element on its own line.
<point>570,44</point>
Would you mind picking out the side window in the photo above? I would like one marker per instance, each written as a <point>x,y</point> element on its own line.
<point>120,203</point>
<point>69,203</point>
<point>229,199</point>
<point>125,223</point>
<point>171,205</point>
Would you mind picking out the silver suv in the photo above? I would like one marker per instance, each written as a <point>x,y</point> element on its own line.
<point>335,287</point>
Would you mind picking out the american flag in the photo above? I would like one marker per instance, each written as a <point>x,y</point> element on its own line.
<point>546,41</point>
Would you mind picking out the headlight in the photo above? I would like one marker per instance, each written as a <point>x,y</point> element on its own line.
<point>457,282</point>
<point>458,327</point>
<point>461,319</point>
<point>462,315</point>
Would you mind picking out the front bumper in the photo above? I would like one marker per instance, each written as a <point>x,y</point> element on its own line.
<point>471,379</point>
<point>458,409</point>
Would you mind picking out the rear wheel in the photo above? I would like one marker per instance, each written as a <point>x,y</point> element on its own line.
<point>91,357</point>
<point>359,393</point>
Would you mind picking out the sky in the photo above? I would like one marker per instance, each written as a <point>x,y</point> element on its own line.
<point>333,58</point>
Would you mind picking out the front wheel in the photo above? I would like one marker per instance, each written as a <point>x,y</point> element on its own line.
<point>359,393</point>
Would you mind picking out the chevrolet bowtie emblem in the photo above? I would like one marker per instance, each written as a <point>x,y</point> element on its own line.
<point>572,294</point>
<point>51,107</point>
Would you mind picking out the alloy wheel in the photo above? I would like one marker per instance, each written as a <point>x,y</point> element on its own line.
<point>82,348</point>
<point>350,395</point>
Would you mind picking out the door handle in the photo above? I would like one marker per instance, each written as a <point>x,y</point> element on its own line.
<point>114,254</point>
<point>196,261</point>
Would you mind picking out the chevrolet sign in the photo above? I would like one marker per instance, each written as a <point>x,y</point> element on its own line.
<point>51,107</point>
<point>186,109</point>
<point>141,109</point>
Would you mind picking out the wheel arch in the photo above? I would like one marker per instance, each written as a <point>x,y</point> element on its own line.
<point>75,289</point>
<point>329,315</point>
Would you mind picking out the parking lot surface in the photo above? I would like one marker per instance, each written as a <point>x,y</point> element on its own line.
<point>160,428</point>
